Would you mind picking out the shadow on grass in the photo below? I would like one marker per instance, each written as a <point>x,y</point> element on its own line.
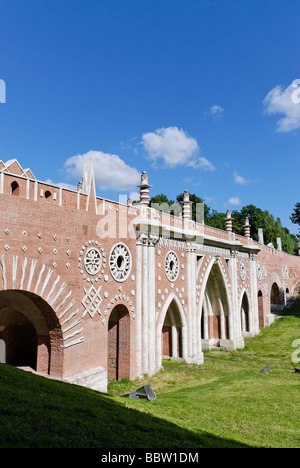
<point>292,310</point>
<point>41,413</point>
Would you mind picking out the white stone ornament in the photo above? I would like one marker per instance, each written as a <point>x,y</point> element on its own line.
<point>92,261</point>
<point>172,266</point>
<point>259,271</point>
<point>265,270</point>
<point>243,270</point>
<point>92,301</point>
<point>120,262</point>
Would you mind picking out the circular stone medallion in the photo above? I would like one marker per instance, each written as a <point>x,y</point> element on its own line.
<point>92,261</point>
<point>172,266</point>
<point>120,262</point>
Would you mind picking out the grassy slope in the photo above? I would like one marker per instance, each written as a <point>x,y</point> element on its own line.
<point>226,402</point>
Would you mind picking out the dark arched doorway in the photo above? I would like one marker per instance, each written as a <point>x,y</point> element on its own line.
<point>261,317</point>
<point>19,337</point>
<point>276,301</point>
<point>245,326</point>
<point>118,366</point>
<point>30,333</point>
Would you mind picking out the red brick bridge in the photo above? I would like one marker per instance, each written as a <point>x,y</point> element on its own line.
<point>92,289</point>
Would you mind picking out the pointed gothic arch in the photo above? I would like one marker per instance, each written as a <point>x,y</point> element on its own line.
<point>276,299</point>
<point>214,307</point>
<point>261,309</point>
<point>245,312</point>
<point>171,331</point>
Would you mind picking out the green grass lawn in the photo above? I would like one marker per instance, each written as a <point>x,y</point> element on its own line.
<point>227,402</point>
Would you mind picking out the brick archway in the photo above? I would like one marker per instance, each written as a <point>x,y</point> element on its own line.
<point>275,298</point>
<point>118,365</point>
<point>245,313</point>
<point>30,332</point>
<point>215,308</point>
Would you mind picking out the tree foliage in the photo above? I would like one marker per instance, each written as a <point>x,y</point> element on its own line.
<point>295,218</point>
<point>258,218</point>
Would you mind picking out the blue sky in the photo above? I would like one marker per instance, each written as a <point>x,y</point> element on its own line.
<point>202,94</point>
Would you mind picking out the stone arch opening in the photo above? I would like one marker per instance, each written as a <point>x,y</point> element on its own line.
<point>275,298</point>
<point>215,310</point>
<point>172,333</point>
<point>171,329</point>
<point>30,333</point>
<point>261,316</point>
<point>245,325</point>
<point>118,364</point>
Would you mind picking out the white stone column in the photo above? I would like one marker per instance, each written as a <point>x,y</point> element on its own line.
<point>194,347</point>
<point>254,319</point>
<point>151,304</point>
<point>222,319</point>
<point>190,302</point>
<point>138,309</point>
<point>145,305</point>
<point>234,318</point>
<point>205,318</point>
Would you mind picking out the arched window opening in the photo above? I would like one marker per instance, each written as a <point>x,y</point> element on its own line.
<point>14,188</point>
<point>47,194</point>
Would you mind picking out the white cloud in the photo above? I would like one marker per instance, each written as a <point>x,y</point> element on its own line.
<point>286,102</point>
<point>234,201</point>
<point>216,112</point>
<point>173,145</point>
<point>175,148</point>
<point>135,196</point>
<point>111,172</point>
<point>239,179</point>
<point>202,163</point>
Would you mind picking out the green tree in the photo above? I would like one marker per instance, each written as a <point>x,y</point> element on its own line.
<point>162,203</point>
<point>200,211</point>
<point>295,218</point>
<point>272,227</point>
<point>217,220</point>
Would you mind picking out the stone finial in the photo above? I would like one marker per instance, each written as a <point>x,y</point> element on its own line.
<point>79,186</point>
<point>186,214</point>
<point>247,228</point>
<point>88,185</point>
<point>144,189</point>
<point>261,236</point>
<point>228,220</point>
<point>279,244</point>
